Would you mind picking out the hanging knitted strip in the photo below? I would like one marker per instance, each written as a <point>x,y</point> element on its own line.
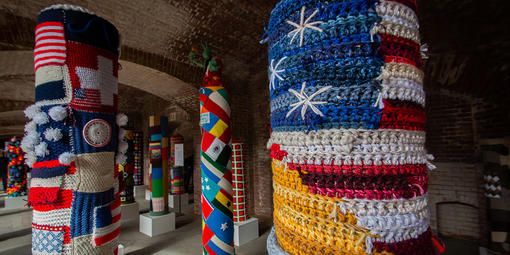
<point>138,157</point>
<point>72,138</point>
<point>217,226</point>
<point>347,115</point>
<point>239,182</point>
<point>159,154</point>
<point>17,176</point>
<point>127,169</point>
<point>177,166</point>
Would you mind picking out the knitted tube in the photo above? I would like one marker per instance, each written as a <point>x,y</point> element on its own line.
<point>159,154</point>
<point>176,172</point>
<point>239,182</point>
<point>17,176</point>
<point>138,157</point>
<point>350,169</point>
<point>127,170</point>
<point>75,185</point>
<point>216,198</point>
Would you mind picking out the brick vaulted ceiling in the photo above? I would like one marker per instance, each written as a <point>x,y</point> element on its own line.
<point>469,40</point>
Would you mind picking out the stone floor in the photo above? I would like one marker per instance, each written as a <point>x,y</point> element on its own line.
<point>15,236</point>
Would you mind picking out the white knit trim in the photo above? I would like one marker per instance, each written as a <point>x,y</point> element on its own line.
<point>68,7</point>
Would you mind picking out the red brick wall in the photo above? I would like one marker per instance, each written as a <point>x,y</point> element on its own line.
<point>455,123</point>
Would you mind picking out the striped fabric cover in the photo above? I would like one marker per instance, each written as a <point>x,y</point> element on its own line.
<point>72,137</point>
<point>239,182</point>
<point>350,169</point>
<point>216,199</point>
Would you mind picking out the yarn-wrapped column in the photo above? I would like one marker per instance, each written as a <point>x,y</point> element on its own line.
<point>239,182</point>
<point>17,176</point>
<point>217,223</point>
<point>138,157</point>
<point>350,169</point>
<point>72,139</point>
<point>159,154</point>
<point>127,196</point>
<point>176,170</point>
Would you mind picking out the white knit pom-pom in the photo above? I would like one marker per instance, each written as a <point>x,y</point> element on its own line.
<point>41,150</point>
<point>31,158</point>
<point>31,139</point>
<point>66,158</point>
<point>123,147</point>
<point>30,127</point>
<point>121,119</point>
<point>122,134</point>
<point>58,113</point>
<point>32,110</point>
<point>52,134</point>
<point>27,144</point>
<point>120,159</point>
<point>41,118</point>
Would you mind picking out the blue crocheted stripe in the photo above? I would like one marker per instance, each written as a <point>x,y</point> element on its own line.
<point>49,172</point>
<point>58,147</point>
<point>330,31</point>
<point>358,21</point>
<point>343,73</point>
<point>345,117</point>
<point>82,212</point>
<point>286,10</point>
<point>362,95</point>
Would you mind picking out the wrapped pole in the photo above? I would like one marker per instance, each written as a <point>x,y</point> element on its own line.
<point>17,176</point>
<point>127,196</point>
<point>239,182</point>
<point>350,169</point>
<point>72,138</point>
<point>177,165</point>
<point>138,157</point>
<point>159,155</point>
<point>217,226</point>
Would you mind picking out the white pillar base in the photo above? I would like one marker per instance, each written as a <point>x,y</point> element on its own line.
<point>246,231</point>
<point>120,249</point>
<point>129,211</point>
<point>15,202</point>
<point>178,202</point>
<point>157,225</point>
<point>139,191</point>
<point>148,194</point>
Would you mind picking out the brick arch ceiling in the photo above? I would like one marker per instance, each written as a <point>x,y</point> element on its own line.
<point>158,33</point>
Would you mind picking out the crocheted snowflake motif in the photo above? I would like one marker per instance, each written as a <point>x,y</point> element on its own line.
<point>306,101</point>
<point>275,73</point>
<point>303,25</point>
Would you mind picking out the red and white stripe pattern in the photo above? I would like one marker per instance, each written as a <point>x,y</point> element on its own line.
<point>240,205</point>
<point>50,44</point>
<point>108,233</point>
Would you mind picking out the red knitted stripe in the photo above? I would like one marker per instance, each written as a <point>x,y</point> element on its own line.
<point>369,170</point>
<point>422,245</point>
<point>63,200</point>
<point>402,117</point>
<point>366,187</point>
<point>400,50</point>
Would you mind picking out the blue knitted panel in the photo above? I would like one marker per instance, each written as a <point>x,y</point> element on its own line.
<point>82,212</point>
<point>323,65</point>
<point>55,148</point>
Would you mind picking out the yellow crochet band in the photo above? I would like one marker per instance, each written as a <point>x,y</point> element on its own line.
<point>310,224</point>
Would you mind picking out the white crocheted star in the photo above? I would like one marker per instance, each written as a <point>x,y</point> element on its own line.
<point>303,25</point>
<point>275,73</point>
<point>306,101</point>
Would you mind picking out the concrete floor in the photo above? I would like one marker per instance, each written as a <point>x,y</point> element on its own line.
<point>15,236</point>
